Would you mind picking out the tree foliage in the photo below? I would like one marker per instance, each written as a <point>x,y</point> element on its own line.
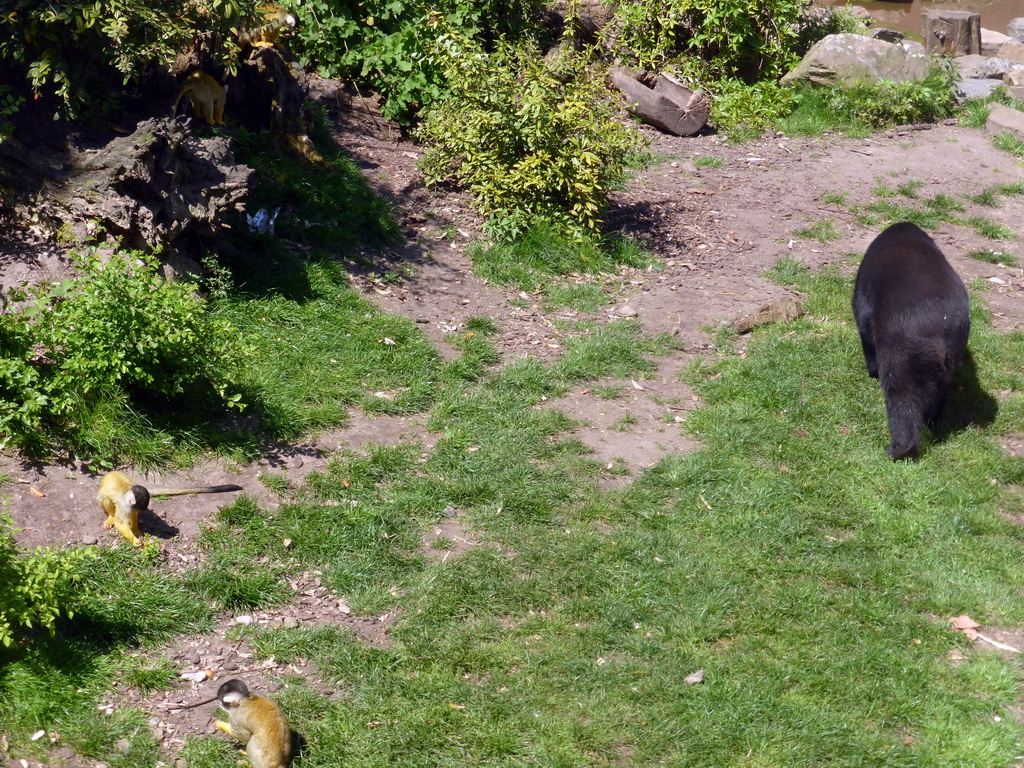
<point>81,51</point>
<point>388,44</point>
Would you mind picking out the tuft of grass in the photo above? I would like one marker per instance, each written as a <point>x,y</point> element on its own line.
<point>910,188</point>
<point>708,161</point>
<point>989,228</point>
<point>834,198</point>
<point>993,257</point>
<point>823,231</point>
<point>529,263</point>
<point>1009,142</point>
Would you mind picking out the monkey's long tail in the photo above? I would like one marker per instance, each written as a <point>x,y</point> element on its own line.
<point>202,489</point>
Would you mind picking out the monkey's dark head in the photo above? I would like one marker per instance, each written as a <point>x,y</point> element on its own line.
<point>141,497</point>
<point>231,693</point>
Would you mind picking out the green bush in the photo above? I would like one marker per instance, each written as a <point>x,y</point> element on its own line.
<point>749,39</point>
<point>881,103</point>
<point>82,51</point>
<point>388,44</point>
<point>33,587</point>
<point>735,50</point>
<point>528,146</point>
<point>118,329</point>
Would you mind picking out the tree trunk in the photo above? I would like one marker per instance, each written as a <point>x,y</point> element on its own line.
<point>953,33</point>
<point>149,189</point>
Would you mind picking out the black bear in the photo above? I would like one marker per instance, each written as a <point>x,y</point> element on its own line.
<point>913,317</point>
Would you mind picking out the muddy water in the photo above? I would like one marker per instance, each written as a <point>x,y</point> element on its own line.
<point>906,16</point>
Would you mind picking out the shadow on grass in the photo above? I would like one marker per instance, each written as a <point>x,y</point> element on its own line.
<point>968,404</point>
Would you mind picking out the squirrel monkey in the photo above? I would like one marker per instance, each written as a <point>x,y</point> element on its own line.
<point>257,722</point>
<point>206,95</point>
<point>122,501</point>
<point>275,18</point>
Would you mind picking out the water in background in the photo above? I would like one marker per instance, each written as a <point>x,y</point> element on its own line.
<point>906,16</point>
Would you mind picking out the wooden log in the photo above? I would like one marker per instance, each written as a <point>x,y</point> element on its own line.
<point>670,106</point>
<point>953,33</point>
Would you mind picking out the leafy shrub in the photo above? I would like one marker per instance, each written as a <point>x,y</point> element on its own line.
<point>32,587</point>
<point>884,102</point>
<point>76,50</point>
<point>735,50</point>
<point>388,44</point>
<point>749,39</point>
<point>118,328</point>
<point>528,146</point>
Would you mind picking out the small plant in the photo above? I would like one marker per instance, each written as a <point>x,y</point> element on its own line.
<point>987,197</point>
<point>34,588</point>
<point>909,188</point>
<point>529,147</point>
<point>823,231</point>
<point>609,391</point>
<point>116,332</point>
<point>625,423</point>
<point>708,161</point>
<point>1008,142</point>
<point>944,205</point>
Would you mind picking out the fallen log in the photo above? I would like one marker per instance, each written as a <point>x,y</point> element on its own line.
<point>669,106</point>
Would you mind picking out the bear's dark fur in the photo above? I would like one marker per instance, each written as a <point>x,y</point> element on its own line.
<point>913,317</point>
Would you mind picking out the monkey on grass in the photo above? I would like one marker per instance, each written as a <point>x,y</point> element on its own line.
<point>122,501</point>
<point>256,722</point>
<point>206,95</point>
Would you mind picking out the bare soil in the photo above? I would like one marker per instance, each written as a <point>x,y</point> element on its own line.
<point>715,228</point>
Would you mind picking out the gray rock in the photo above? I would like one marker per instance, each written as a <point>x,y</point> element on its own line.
<point>1015,28</point>
<point>1002,119</point>
<point>886,34</point>
<point>991,41</point>
<point>983,67</point>
<point>973,88</point>
<point>90,540</point>
<point>1013,50</point>
<point>849,58</point>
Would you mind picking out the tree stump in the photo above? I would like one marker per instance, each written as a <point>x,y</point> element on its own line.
<point>150,189</point>
<point>953,33</point>
<point>670,106</point>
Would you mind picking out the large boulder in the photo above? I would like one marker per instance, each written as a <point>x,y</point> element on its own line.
<point>849,58</point>
<point>1015,28</point>
<point>985,67</point>
<point>1013,50</point>
<point>1003,119</point>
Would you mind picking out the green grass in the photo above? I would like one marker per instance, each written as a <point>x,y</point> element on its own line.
<point>708,161</point>
<point>823,231</point>
<point>809,577</point>
<point>988,228</point>
<point>993,257</point>
<point>544,262</point>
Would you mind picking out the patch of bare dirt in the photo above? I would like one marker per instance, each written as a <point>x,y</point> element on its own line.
<point>717,215</point>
